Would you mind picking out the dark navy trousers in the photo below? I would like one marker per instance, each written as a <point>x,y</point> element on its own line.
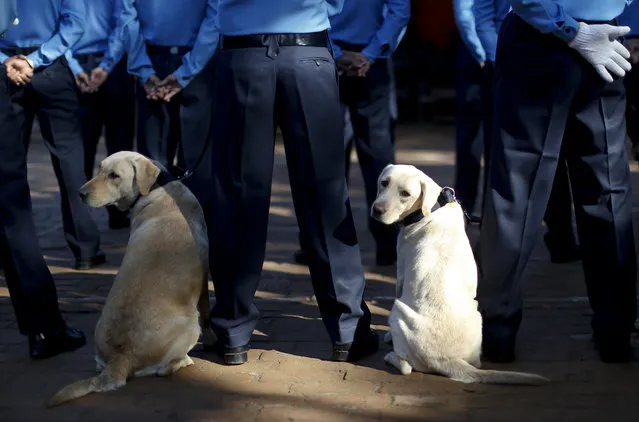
<point>296,89</point>
<point>33,293</point>
<point>548,99</point>
<point>468,122</point>
<point>52,96</point>
<point>368,102</point>
<point>183,125</point>
<point>111,109</point>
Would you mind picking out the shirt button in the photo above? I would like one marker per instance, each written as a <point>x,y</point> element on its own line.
<point>2,35</point>
<point>16,21</point>
<point>174,50</point>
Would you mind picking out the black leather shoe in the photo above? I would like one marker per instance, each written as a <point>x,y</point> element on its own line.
<point>230,355</point>
<point>358,349</point>
<point>42,346</point>
<point>87,264</point>
<point>562,253</point>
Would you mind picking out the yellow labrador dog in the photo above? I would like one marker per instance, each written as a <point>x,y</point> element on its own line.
<point>150,320</point>
<point>435,324</point>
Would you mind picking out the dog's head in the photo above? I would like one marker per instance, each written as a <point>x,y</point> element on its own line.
<point>121,179</point>
<point>402,190</point>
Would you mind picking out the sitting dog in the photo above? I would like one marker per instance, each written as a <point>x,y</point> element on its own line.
<point>435,324</point>
<point>150,320</point>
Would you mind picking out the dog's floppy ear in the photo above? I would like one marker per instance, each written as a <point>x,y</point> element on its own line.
<point>422,196</point>
<point>146,173</point>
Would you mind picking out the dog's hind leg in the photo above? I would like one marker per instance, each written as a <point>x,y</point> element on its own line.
<point>175,365</point>
<point>403,366</point>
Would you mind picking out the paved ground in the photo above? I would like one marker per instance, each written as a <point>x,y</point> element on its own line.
<point>286,378</point>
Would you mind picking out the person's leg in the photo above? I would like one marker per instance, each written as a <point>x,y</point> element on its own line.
<point>526,146</point>
<point>368,101</point>
<point>600,177</point>
<point>631,81</point>
<point>242,166</point>
<point>308,111</point>
<point>31,287</point>
<point>468,122</point>
<point>57,109</point>
<point>560,237</point>
<point>119,124</point>
<point>196,109</point>
<point>156,133</point>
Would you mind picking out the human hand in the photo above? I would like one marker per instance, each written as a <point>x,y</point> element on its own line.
<point>98,76</point>
<point>169,87</point>
<point>151,88</point>
<point>19,69</point>
<point>598,44</point>
<point>353,64</point>
<point>82,81</point>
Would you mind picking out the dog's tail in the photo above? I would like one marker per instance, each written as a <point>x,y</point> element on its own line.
<point>460,370</point>
<point>111,378</point>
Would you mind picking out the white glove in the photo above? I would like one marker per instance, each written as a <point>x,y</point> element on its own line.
<point>598,44</point>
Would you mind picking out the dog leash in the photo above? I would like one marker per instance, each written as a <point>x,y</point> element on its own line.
<point>182,175</point>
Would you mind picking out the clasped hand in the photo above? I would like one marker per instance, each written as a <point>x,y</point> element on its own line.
<point>352,63</point>
<point>89,84</point>
<point>162,90</point>
<point>19,69</point>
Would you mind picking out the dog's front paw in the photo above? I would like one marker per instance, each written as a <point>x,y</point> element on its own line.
<point>388,338</point>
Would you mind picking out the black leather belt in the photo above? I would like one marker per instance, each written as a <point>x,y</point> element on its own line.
<point>312,39</point>
<point>167,50</point>
<point>16,51</point>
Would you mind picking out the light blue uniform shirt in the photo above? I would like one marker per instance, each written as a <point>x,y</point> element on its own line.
<point>53,25</point>
<point>248,17</point>
<point>100,35</point>
<point>559,17</point>
<point>466,23</point>
<point>630,17</point>
<point>489,15</point>
<point>363,22</point>
<point>170,23</point>
<point>8,14</point>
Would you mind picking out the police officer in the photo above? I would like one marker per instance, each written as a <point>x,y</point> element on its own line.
<point>174,63</point>
<point>31,286</point>
<point>364,38</point>
<point>373,155</point>
<point>468,117</point>
<point>558,85</point>
<point>46,31</point>
<point>107,91</point>
<point>275,69</point>
<point>560,238</point>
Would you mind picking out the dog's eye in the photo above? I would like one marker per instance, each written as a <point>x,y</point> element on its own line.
<point>383,183</point>
<point>405,194</point>
<point>114,175</point>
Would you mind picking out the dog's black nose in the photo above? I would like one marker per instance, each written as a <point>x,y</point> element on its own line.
<point>378,210</point>
<point>83,195</point>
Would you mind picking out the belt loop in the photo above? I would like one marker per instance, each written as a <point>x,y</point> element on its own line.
<point>273,46</point>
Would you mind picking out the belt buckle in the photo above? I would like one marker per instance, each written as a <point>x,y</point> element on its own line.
<point>174,50</point>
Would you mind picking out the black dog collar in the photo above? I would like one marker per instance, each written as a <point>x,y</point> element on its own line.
<point>446,196</point>
<point>163,179</point>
